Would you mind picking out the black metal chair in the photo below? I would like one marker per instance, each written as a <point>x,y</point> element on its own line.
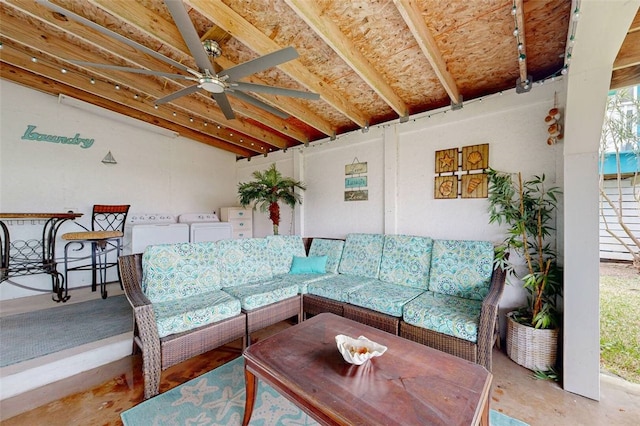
<point>105,236</point>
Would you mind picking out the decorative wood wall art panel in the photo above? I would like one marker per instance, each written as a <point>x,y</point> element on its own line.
<point>446,187</point>
<point>462,172</point>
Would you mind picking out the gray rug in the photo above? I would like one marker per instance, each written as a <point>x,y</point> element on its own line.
<point>35,334</point>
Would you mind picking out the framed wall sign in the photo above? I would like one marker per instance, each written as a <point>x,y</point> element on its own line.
<point>355,168</point>
<point>355,182</point>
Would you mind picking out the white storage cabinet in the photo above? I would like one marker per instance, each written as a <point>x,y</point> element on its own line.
<point>241,221</point>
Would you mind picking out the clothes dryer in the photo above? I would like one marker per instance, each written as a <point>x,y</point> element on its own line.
<point>205,227</point>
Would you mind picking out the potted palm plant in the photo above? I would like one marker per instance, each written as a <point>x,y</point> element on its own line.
<point>267,189</point>
<point>528,210</point>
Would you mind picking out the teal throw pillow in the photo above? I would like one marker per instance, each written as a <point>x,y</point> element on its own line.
<point>308,265</point>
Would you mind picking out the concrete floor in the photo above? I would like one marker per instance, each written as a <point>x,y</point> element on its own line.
<point>539,402</point>
<point>99,395</point>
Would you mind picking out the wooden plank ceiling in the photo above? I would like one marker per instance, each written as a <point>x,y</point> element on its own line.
<point>371,61</point>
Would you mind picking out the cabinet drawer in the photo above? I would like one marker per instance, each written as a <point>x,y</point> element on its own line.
<point>241,224</point>
<point>242,233</point>
<point>239,214</point>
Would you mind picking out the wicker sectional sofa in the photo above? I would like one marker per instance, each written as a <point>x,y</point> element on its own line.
<point>190,298</point>
<point>441,293</point>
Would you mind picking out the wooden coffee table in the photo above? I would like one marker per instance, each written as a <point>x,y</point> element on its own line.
<point>410,384</point>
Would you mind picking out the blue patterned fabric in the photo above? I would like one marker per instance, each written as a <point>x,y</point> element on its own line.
<point>281,249</point>
<point>384,297</point>
<point>243,261</point>
<point>260,294</point>
<point>406,260</point>
<point>450,315</point>
<point>178,315</point>
<point>176,271</point>
<point>330,248</point>
<point>361,255</point>
<point>461,268</point>
<point>303,280</point>
<point>337,287</point>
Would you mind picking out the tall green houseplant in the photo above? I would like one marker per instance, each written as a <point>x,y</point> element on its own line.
<point>528,209</point>
<point>268,189</point>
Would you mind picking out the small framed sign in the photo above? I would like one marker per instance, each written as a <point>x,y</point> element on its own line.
<point>361,195</point>
<point>355,182</point>
<point>355,168</point>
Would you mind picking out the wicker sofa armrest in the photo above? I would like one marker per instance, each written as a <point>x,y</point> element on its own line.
<point>488,317</point>
<point>145,329</point>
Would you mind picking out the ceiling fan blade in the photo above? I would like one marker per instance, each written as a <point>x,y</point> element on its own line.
<point>258,103</point>
<point>260,88</point>
<point>182,92</point>
<point>134,70</point>
<point>188,32</point>
<point>112,34</point>
<point>225,106</point>
<point>262,63</point>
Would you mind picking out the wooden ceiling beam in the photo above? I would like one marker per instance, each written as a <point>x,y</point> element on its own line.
<point>199,104</point>
<point>311,13</point>
<point>625,77</point>
<point>29,79</point>
<point>242,30</point>
<point>412,15</point>
<point>629,54</point>
<point>61,49</point>
<point>124,98</point>
<point>522,63</point>
<point>165,32</point>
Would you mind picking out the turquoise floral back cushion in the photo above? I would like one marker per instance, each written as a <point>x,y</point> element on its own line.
<point>243,261</point>
<point>361,255</point>
<point>461,268</point>
<point>281,249</point>
<point>177,271</point>
<point>330,248</point>
<point>406,260</point>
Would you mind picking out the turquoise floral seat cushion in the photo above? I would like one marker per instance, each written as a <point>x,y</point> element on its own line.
<point>176,271</point>
<point>337,287</point>
<point>406,260</point>
<point>281,249</point>
<point>243,261</point>
<point>384,297</point>
<point>260,294</point>
<point>303,280</point>
<point>461,268</point>
<point>176,316</point>
<point>450,315</point>
<point>361,255</point>
<point>330,248</point>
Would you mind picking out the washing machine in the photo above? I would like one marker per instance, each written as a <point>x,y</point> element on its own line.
<point>206,227</point>
<point>148,229</point>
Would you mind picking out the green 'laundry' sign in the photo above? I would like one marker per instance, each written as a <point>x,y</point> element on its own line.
<point>31,135</point>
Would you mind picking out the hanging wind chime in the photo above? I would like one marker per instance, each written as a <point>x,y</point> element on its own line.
<point>552,120</point>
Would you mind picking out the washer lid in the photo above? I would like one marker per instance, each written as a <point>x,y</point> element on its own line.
<point>198,217</point>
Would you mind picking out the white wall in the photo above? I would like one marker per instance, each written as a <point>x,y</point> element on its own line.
<point>155,173</point>
<point>401,161</point>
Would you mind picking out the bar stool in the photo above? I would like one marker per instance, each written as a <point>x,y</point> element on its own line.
<point>105,236</point>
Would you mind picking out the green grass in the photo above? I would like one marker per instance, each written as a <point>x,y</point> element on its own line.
<point>620,324</point>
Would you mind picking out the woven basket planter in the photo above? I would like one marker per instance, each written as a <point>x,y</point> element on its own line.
<point>532,348</point>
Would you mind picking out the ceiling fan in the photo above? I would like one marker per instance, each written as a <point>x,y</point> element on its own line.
<point>209,77</point>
